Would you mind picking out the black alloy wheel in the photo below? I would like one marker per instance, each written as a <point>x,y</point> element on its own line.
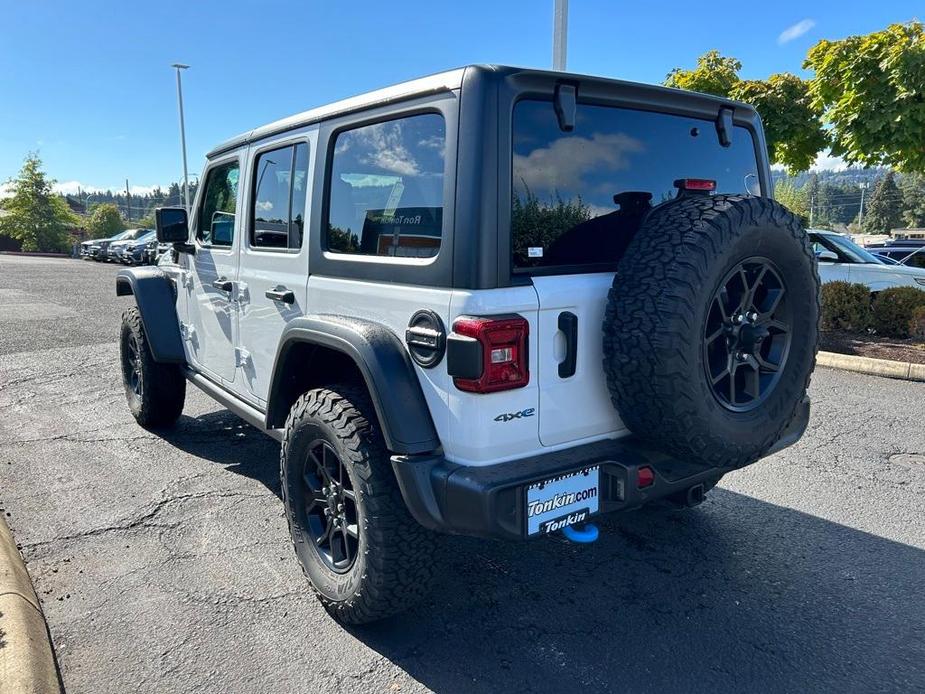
<point>747,334</point>
<point>330,507</point>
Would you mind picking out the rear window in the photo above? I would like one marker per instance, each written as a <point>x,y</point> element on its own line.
<point>579,196</point>
<point>386,192</point>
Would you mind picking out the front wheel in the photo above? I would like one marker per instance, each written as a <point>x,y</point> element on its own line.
<point>155,392</point>
<point>363,554</point>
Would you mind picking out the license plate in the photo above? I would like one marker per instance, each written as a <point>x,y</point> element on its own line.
<point>561,501</point>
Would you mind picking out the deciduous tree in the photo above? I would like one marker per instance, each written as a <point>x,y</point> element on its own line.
<point>872,90</point>
<point>105,221</point>
<point>35,216</point>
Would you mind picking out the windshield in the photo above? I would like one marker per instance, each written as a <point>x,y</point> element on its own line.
<point>147,236</point>
<point>847,251</point>
<point>579,196</point>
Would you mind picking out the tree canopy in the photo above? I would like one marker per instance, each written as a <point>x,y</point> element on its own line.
<point>872,89</point>
<point>714,74</point>
<point>792,124</point>
<point>35,216</point>
<point>105,221</point>
<point>912,187</point>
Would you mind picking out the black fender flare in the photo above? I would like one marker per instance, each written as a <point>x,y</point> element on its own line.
<point>156,298</point>
<point>386,368</point>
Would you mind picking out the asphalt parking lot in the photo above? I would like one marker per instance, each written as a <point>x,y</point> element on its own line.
<point>164,564</point>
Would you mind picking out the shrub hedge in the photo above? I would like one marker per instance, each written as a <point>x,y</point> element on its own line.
<point>894,310</point>
<point>846,306</point>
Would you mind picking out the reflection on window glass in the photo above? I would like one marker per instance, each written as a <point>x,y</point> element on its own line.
<point>279,200</point>
<point>580,196</point>
<point>219,203</point>
<point>271,203</point>
<point>386,193</point>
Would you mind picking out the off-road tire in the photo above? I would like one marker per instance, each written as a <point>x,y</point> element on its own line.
<point>394,562</point>
<point>656,314</point>
<point>163,387</point>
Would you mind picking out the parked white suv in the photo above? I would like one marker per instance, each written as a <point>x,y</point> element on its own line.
<point>841,259</point>
<point>493,302</point>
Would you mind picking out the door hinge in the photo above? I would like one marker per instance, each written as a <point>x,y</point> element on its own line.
<point>242,296</point>
<point>241,357</point>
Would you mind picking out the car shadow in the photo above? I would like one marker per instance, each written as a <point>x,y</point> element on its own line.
<point>735,595</point>
<point>224,438</point>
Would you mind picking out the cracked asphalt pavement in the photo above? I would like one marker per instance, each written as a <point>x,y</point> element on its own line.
<point>164,565</point>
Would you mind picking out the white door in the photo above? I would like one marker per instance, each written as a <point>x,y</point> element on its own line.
<point>574,400</point>
<point>213,270</point>
<point>273,272</point>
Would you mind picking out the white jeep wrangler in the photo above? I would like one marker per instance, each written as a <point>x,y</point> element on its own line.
<point>491,302</point>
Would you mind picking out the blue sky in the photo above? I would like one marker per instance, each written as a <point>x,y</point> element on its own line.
<point>90,85</point>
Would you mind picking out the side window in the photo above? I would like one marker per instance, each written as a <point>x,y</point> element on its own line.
<point>280,180</point>
<point>219,205</point>
<point>386,188</point>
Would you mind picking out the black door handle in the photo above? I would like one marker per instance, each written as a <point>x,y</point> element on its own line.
<point>568,324</point>
<point>280,294</point>
<point>223,285</point>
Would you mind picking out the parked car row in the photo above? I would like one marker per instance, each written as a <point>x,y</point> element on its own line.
<point>841,259</point>
<point>131,247</point>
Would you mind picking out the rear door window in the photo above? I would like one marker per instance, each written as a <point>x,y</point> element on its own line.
<point>579,196</point>
<point>279,197</point>
<point>386,188</point>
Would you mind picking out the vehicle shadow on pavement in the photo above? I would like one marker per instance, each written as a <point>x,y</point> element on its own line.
<point>223,438</point>
<point>736,595</point>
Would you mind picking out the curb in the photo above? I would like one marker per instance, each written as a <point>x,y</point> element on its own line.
<point>30,254</point>
<point>27,660</point>
<point>874,367</point>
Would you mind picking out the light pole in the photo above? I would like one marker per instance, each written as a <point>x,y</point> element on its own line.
<point>863,187</point>
<point>179,67</point>
<point>559,34</point>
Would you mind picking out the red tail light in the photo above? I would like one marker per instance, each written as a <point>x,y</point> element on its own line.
<point>502,349</point>
<point>645,477</point>
<point>704,184</point>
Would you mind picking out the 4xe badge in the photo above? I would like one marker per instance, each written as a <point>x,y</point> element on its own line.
<point>511,416</point>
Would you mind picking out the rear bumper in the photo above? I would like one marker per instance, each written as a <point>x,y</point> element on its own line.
<point>489,501</point>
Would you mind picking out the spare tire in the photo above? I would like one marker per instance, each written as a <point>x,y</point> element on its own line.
<point>711,328</point>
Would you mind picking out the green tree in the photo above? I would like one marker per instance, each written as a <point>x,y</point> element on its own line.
<point>913,192</point>
<point>36,217</point>
<point>793,197</point>
<point>884,211</point>
<point>792,124</point>
<point>105,221</point>
<point>714,74</point>
<point>872,89</point>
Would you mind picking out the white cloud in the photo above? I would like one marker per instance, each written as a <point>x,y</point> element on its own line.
<point>565,162</point>
<point>795,31</point>
<point>826,162</point>
<point>71,188</point>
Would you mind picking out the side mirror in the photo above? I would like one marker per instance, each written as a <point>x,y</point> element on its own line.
<point>172,225</point>
<point>826,257</point>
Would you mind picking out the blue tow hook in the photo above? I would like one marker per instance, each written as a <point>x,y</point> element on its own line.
<point>584,535</point>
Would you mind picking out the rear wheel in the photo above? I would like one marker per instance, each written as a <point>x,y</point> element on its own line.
<point>363,554</point>
<point>155,392</point>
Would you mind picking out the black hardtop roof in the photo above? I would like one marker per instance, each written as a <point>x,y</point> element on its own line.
<point>442,82</point>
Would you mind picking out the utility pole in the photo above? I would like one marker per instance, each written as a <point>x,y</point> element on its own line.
<point>179,67</point>
<point>559,34</point>
<point>863,187</point>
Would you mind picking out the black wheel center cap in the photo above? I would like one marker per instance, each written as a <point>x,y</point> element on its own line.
<point>751,337</point>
